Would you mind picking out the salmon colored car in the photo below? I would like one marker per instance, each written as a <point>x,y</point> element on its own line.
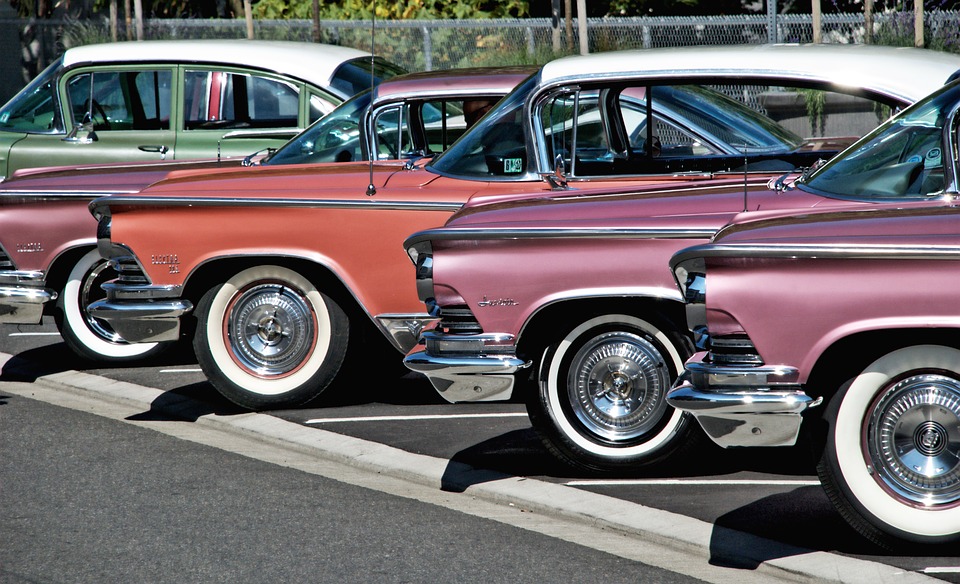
<point>49,236</point>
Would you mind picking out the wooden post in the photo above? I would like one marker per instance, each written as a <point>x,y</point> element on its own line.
<point>127,19</point>
<point>316,21</point>
<point>582,26</point>
<point>113,20</point>
<point>568,21</point>
<point>867,22</point>
<point>817,33</point>
<point>555,24</point>
<point>248,14</point>
<point>918,23</point>
<point>138,16</point>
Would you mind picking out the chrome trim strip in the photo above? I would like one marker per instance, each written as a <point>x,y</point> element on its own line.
<point>468,379</point>
<point>22,277</point>
<point>129,292</point>
<point>143,322</point>
<point>485,233</point>
<point>116,201</point>
<point>63,194</point>
<point>817,251</point>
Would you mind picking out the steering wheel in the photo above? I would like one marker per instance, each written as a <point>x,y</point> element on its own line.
<point>93,108</point>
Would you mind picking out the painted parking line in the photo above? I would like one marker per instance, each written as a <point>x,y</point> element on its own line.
<point>941,570</point>
<point>197,370</point>
<point>412,418</point>
<point>53,334</point>
<point>694,482</point>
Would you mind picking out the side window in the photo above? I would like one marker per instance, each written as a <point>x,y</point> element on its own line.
<point>559,116</point>
<point>321,105</point>
<point>445,121</point>
<point>393,137</point>
<point>121,100</point>
<point>669,139</point>
<point>217,99</point>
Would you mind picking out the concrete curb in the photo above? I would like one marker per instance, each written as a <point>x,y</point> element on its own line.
<point>717,545</point>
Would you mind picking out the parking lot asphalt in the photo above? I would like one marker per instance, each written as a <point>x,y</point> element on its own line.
<point>714,543</point>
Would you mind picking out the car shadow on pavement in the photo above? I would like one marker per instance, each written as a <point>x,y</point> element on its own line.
<point>32,364</point>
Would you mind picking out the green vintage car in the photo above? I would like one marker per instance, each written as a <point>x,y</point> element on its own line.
<point>156,100</point>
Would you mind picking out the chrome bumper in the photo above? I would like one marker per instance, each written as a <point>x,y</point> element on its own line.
<point>742,405</point>
<point>142,314</point>
<point>22,296</point>
<point>467,368</point>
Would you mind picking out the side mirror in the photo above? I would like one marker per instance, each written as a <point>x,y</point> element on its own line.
<point>557,179</point>
<point>81,134</point>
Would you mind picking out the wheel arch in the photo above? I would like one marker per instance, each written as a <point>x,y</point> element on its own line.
<point>61,267</point>
<point>848,356</point>
<point>217,271</point>
<point>544,324</point>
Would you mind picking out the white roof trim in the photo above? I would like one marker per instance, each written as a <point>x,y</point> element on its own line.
<point>311,62</point>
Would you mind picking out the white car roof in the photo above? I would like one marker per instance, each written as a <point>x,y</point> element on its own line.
<point>311,62</point>
<point>905,73</point>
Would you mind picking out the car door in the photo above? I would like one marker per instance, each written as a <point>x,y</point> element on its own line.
<point>231,112</point>
<point>112,114</point>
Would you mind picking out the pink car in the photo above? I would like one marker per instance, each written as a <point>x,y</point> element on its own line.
<point>845,324</point>
<point>565,300</point>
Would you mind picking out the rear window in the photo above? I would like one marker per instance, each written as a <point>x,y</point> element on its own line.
<point>354,76</point>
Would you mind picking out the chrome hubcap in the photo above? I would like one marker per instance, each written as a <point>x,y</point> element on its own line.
<point>616,386</point>
<point>913,440</point>
<point>271,330</point>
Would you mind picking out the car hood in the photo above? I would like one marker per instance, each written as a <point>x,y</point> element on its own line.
<point>933,223</point>
<point>102,179</point>
<point>707,203</point>
<point>297,181</point>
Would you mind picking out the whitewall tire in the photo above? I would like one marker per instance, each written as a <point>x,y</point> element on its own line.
<point>267,338</point>
<point>892,459</point>
<point>601,400</point>
<point>90,337</point>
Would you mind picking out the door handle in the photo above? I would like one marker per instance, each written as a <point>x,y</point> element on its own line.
<point>158,148</point>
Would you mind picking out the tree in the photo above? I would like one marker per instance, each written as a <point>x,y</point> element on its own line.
<point>404,10</point>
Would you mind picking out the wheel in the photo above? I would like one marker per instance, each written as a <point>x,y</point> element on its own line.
<point>267,338</point>
<point>891,464</point>
<point>601,400</point>
<point>89,337</point>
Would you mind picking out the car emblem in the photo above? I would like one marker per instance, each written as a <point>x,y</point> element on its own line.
<point>497,302</point>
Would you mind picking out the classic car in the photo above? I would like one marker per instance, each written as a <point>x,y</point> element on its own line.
<point>181,100</point>
<point>566,300</point>
<point>49,237</point>
<point>841,326</point>
<point>272,314</point>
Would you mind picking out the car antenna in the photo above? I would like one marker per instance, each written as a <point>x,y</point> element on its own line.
<point>371,189</point>
<point>745,180</point>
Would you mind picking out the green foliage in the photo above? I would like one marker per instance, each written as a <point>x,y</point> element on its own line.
<point>815,100</point>
<point>397,10</point>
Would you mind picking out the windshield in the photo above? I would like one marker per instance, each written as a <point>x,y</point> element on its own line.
<point>494,148</point>
<point>335,137</point>
<point>354,76</point>
<point>903,158</point>
<point>34,110</point>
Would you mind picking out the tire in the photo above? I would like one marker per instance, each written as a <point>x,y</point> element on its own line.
<point>628,425</point>
<point>890,464</point>
<point>295,340</point>
<point>89,337</point>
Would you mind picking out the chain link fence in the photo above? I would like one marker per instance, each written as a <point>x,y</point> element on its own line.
<point>440,44</point>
